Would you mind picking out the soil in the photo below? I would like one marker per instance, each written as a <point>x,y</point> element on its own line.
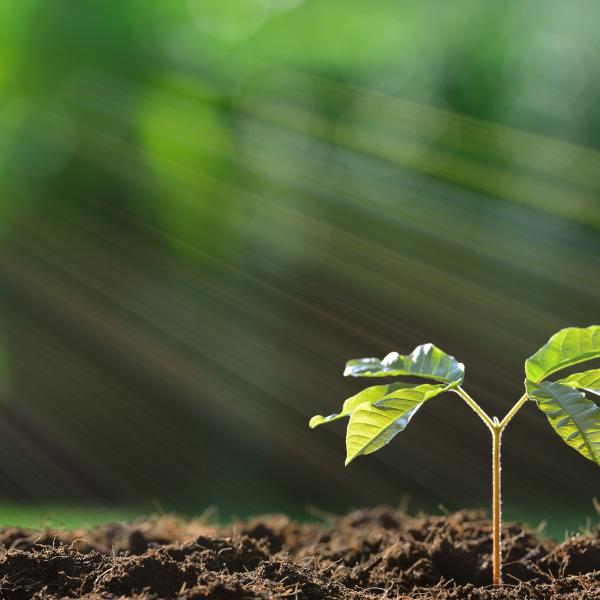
<point>368,554</point>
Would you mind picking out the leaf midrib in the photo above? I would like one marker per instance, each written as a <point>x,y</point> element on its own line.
<point>382,429</point>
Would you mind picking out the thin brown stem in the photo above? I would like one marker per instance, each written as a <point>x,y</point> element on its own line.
<point>513,411</point>
<point>496,505</point>
<point>480,412</point>
<point>496,427</point>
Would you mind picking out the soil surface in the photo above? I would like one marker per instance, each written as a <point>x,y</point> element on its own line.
<point>369,554</point>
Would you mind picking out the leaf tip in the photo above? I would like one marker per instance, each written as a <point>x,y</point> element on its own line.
<point>316,420</point>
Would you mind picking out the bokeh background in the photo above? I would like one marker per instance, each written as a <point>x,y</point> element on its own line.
<point>208,206</point>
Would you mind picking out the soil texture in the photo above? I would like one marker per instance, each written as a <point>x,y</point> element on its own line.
<point>369,554</point>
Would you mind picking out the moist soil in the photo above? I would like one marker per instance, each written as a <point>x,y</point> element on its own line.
<point>368,554</point>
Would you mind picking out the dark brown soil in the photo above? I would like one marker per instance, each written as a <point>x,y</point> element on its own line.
<point>368,554</point>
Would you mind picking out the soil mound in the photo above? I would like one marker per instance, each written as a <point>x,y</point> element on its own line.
<point>368,554</point>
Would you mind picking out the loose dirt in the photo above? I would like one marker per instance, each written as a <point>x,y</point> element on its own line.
<point>369,554</point>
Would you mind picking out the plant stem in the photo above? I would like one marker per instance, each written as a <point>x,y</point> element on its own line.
<point>496,504</point>
<point>513,411</point>
<point>480,412</point>
<point>496,427</point>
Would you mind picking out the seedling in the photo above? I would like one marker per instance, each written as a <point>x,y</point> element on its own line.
<point>380,412</point>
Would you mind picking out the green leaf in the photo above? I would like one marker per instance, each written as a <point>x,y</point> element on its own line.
<point>373,425</point>
<point>574,417</point>
<point>565,348</point>
<point>588,380</point>
<point>424,361</point>
<point>370,394</point>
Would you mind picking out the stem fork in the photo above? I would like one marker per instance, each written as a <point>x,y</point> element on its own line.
<point>496,428</point>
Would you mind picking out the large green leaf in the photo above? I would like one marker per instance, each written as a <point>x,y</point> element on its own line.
<point>373,425</point>
<point>574,417</point>
<point>371,394</point>
<point>424,361</point>
<point>565,348</point>
<point>588,380</point>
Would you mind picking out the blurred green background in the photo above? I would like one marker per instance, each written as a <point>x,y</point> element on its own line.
<point>208,206</point>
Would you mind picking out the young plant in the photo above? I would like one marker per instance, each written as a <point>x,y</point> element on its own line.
<point>378,413</point>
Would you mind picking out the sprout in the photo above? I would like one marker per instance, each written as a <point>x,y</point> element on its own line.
<point>378,413</point>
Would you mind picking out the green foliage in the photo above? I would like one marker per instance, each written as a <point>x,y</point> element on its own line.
<point>373,424</point>
<point>369,395</point>
<point>424,361</point>
<point>564,349</point>
<point>574,417</point>
<point>379,412</point>
<point>588,380</point>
